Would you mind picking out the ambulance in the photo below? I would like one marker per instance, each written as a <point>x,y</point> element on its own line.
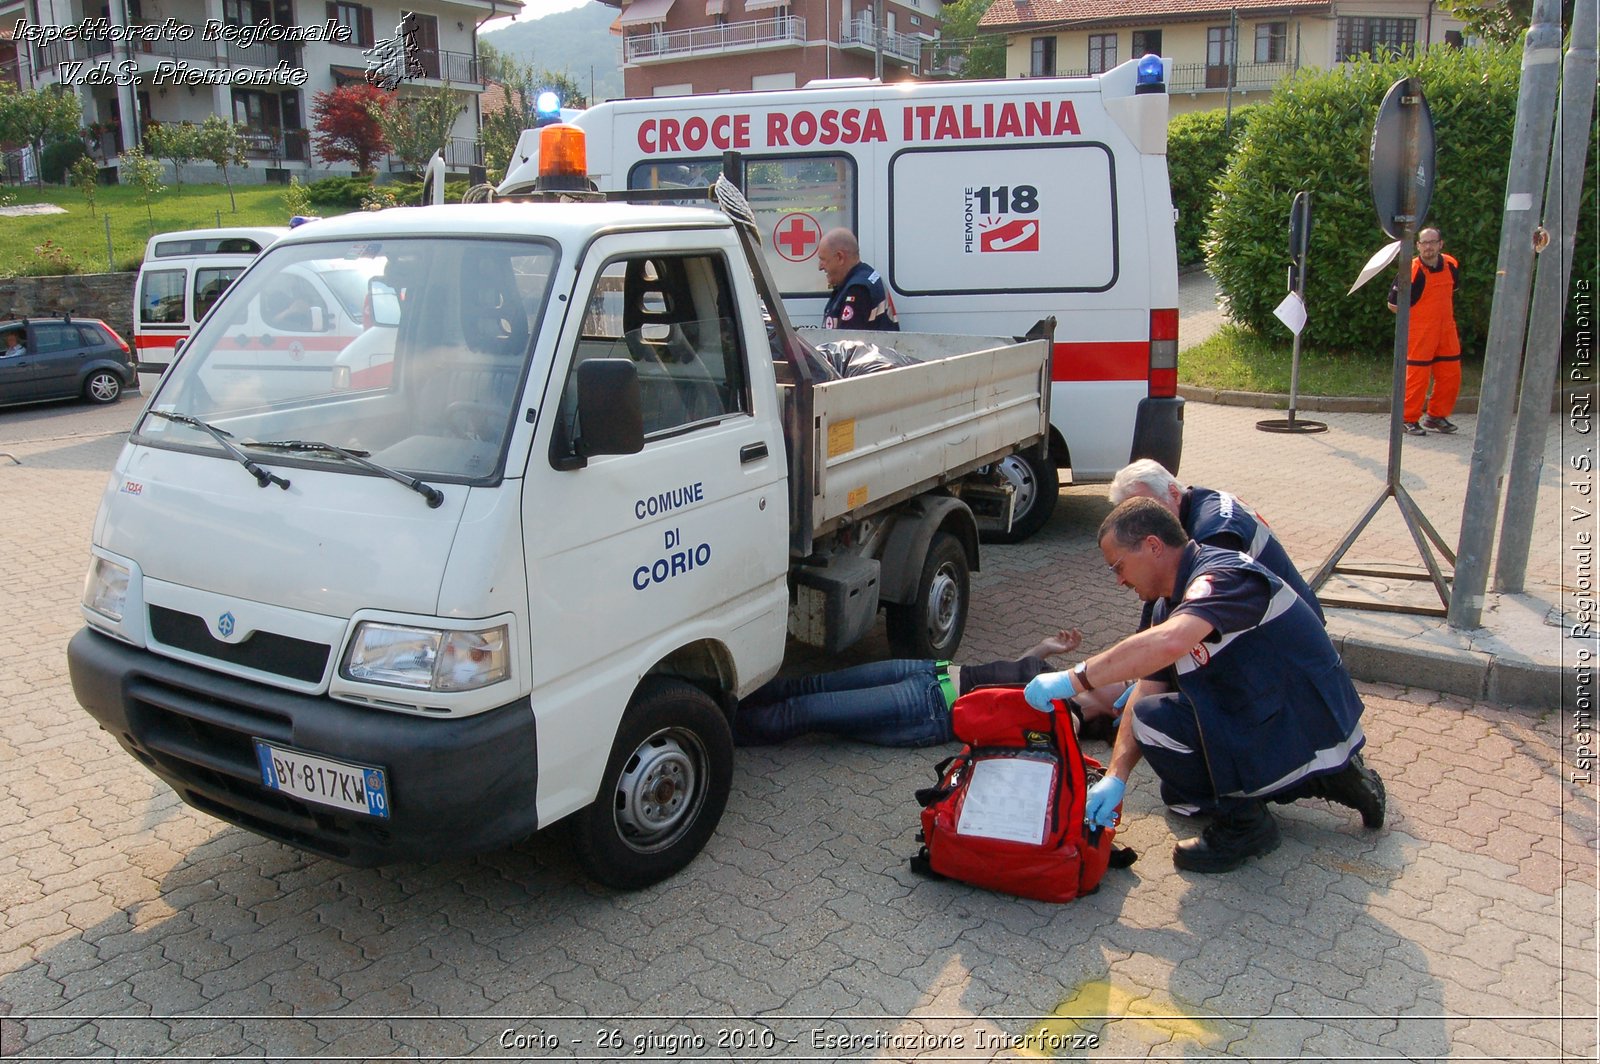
<point>985,205</point>
<point>183,275</point>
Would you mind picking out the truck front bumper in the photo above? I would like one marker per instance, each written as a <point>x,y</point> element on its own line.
<point>1158,432</point>
<point>455,786</point>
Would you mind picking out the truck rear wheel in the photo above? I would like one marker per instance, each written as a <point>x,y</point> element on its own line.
<point>931,625</point>
<point>1037,489</point>
<point>664,788</point>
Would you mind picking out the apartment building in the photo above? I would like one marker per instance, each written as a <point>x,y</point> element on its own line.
<point>259,62</point>
<point>679,47</point>
<point>1219,52</point>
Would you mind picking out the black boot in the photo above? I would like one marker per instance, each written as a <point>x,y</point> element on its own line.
<point>1358,787</point>
<point>1247,830</point>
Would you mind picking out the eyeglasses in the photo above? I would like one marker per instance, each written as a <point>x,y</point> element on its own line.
<point>1116,566</point>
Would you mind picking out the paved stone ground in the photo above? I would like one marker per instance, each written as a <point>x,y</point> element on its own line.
<point>137,927</point>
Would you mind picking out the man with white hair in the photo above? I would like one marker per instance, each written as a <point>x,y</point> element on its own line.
<point>1213,518</point>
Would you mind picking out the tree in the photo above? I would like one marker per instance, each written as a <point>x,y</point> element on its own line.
<point>501,128</point>
<point>35,116</point>
<point>347,129</point>
<point>421,125</point>
<point>967,50</point>
<point>222,143</point>
<point>86,175</point>
<point>179,144</point>
<point>1501,21</point>
<point>144,174</point>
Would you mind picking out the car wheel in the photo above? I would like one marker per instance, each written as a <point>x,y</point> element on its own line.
<point>103,386</point>
<point>931,625</point>
<point>664,788</point>
<point>1036,490</point>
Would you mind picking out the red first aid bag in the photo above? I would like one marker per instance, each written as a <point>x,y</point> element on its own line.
<point>1007,812</point>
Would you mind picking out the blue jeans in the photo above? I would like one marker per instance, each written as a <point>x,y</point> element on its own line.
<point>890,703</point>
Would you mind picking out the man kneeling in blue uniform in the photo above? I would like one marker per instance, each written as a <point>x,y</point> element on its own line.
<point>1263,709</point>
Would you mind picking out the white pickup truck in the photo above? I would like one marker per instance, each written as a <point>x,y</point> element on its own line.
<point>529,570</point>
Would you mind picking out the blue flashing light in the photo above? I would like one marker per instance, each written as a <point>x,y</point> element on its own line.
<point>301,219</point>
<point>1152,74</point>
<point>548,104</point>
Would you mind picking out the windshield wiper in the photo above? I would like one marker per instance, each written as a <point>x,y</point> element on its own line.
<point>434,496</point>
<point>263,478</point>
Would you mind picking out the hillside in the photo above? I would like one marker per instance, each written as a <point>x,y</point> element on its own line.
<point>577,42</point>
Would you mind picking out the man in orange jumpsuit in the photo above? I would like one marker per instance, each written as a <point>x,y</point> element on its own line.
<point>1433,350</point>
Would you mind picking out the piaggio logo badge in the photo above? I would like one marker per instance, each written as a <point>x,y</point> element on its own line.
<point>225,625</point>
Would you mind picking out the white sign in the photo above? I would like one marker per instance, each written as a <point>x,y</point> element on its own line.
<point>1292,312</point>
<point>1376,264</point>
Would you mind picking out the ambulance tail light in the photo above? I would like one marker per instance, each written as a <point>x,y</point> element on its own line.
<point>563,159</point>
<point>1164,353</point>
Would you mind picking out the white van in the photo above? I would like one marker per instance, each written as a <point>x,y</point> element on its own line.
<point>986,206</point>
<point>183,275</point>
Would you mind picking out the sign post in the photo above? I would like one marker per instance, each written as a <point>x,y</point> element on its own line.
<point>1402,172</point>
<point>1292,312</point>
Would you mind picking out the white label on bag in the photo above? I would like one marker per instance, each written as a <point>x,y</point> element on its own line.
<point>1008,798</point>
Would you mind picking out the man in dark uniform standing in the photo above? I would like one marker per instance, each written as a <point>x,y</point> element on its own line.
<point>1262,711</point>
<point>860,299</point>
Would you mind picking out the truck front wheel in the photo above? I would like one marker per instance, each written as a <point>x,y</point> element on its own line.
<point>664,788</point>
<point>931,624</point>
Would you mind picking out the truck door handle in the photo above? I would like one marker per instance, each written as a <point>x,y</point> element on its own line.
<point>752,452</point>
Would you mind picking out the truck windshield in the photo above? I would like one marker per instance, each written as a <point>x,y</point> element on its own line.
<point>412,351</point>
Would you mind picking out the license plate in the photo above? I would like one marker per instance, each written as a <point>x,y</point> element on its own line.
<point>340,784</point>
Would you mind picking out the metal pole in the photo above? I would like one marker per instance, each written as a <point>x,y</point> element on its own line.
<point>1530,153</point>
<point>111,259</point>
<point>877,39</point>
<point>1541,362</point>
<point>1233,60</point>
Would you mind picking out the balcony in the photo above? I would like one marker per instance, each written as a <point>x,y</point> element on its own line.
<point>459,154</point>
<point>1247,77</point>
<point>862,34</point>
<point>709,40</point>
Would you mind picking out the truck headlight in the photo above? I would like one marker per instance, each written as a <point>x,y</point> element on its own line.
<point>428,659</point>
<point>105,589</point>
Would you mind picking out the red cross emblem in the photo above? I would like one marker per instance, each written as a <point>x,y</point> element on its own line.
<point>796,236</point>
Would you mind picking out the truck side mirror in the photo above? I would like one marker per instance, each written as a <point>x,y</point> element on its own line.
<point>610,415</point>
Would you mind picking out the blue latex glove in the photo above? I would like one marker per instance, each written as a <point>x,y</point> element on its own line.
<point>1049,687</point>
<point>1122,699</point>
<point>1100,804</point>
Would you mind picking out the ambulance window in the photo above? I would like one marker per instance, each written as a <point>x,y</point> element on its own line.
<point>673,316</point>
<point>1034,218</point>
<point>209,284</point>
<point>796,199</point>
<point>161,297</point>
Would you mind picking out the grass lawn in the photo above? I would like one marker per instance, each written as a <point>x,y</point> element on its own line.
<point>83,236</point>
<point>1238,360</point>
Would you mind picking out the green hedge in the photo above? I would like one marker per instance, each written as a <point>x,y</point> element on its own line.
<point>1314,133</point>
<point>1198,151</point>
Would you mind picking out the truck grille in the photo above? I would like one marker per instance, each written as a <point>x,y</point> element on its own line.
<point>204,747</point>
<point>280,655</point>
